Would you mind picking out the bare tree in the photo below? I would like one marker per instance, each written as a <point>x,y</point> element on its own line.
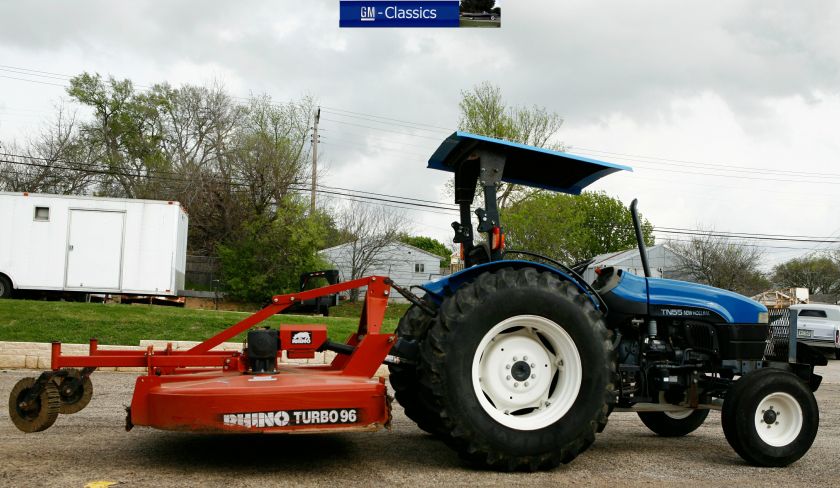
<point>719,262</point>
<point>368,232</point>
<point>55,161</point>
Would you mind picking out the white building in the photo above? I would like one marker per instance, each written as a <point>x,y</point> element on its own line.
<point>662,261</point>
<point>405,264</point>
<point>92,245</point>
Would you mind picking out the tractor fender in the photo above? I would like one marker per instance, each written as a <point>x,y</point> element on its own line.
<point>447,285</point>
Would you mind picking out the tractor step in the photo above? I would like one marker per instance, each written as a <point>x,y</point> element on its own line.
<point>295,399</point>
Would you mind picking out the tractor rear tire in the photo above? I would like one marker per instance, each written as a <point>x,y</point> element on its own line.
<point>519,362</point>
<point>770,417</point>
<point>409,391</point>
<point>674,424</point>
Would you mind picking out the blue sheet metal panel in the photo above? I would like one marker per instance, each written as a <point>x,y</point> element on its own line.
<point>441,287</point>
<point>526,165</point>
<point>631,288</point>
<point>733,307</point>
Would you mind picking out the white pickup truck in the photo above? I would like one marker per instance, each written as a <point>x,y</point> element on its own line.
<point>818,325</point>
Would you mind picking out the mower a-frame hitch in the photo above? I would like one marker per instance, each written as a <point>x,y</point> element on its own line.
<point>202,389</point>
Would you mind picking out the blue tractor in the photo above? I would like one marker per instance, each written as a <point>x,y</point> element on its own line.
<point>518,363</point>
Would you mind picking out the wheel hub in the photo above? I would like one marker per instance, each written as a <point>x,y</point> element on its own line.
<point>778,419</point>
<point>769,416</point>
<point>520,371</point>
<point>526,372</point>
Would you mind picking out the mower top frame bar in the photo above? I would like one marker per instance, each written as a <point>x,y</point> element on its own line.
<point>169,361</point>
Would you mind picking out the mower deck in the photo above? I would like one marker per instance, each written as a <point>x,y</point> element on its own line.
<point>295,399</point>
<point>207,390</point>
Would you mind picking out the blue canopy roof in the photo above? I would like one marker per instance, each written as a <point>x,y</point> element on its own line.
<point>525,165</point>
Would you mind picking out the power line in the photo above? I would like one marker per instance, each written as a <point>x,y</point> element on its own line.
<point>444,129</point>
<point>382,129</point>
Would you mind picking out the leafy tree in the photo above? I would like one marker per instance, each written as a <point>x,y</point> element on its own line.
<point>431,245</point>
<point>484,112</point>
<point>819,274</point>
<point>268,255</point>
<point>721,263</point>
<point>571,228</point>
<point>124,134</point>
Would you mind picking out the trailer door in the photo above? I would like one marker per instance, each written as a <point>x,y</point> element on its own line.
<point>94,250</point>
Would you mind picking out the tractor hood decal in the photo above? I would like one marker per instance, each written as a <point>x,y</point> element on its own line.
<point>732,307</point>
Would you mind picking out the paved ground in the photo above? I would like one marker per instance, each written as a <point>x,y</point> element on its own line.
<point>93,446</point>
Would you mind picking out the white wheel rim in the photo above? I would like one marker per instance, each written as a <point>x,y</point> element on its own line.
<point>680,414</point>
<point>778,419</point>
<point>513,372</point>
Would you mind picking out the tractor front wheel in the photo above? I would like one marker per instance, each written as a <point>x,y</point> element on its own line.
<point>518,361</point>
<point>770,417</point>
<point>674,424</point>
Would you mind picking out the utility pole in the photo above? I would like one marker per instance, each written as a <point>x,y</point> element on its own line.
<point>314,160</point>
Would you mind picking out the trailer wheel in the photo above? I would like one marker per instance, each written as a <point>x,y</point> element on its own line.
<point>770,417</point>
<point>5,287</point>
<point>409,391</point>
<point>674,424</point>
<point>520,364</point>
<point>40,413</point>
<point>75,392</point>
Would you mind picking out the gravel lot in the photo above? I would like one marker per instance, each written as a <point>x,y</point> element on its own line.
<point>93,446</point>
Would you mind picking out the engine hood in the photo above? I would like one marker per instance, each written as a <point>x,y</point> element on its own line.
<point>732,307</point>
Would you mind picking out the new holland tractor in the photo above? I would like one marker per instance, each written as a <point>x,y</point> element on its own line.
<point>515,363</point>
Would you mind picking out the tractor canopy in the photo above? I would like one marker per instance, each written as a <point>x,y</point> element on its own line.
<point>523,165</point>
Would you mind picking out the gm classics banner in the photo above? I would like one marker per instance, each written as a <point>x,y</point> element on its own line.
<point>361,13</point>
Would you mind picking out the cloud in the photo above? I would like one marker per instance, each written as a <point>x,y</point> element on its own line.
<point>748,82</point>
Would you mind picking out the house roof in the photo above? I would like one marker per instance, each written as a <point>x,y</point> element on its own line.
<point>395,243</point>
<point>613,258</point>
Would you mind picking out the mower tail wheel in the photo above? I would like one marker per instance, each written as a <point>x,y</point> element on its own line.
<point>39,413</point>
<point>75,391</point>
<point>674,424</point>
<point>770,417</point>
<point>409,391</point>
<point>520,364</point>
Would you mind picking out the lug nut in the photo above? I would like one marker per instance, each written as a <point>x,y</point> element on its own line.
<point>524,358</point>
<point>507,366</point>
<point>533,365</point>
<point>508,377</point>
<point>533,376</point>
<point>516,385</point>
<point>526,383</point>
<point>514,359</point>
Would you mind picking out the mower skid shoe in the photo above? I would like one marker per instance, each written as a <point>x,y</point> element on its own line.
<point>292,401</point>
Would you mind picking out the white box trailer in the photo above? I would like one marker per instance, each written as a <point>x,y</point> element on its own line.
<point>91,244</point>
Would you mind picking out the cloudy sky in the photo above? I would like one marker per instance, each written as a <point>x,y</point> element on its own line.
<point>727,111</point>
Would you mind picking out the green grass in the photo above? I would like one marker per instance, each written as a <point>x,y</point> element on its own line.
<point>69,322</point>
<point>479,23</point>
<point>354,309</point>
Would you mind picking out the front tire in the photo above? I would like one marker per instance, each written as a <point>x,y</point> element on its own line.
<point>674,424</point>
<point>770,417</point>
<point>519,362</point>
